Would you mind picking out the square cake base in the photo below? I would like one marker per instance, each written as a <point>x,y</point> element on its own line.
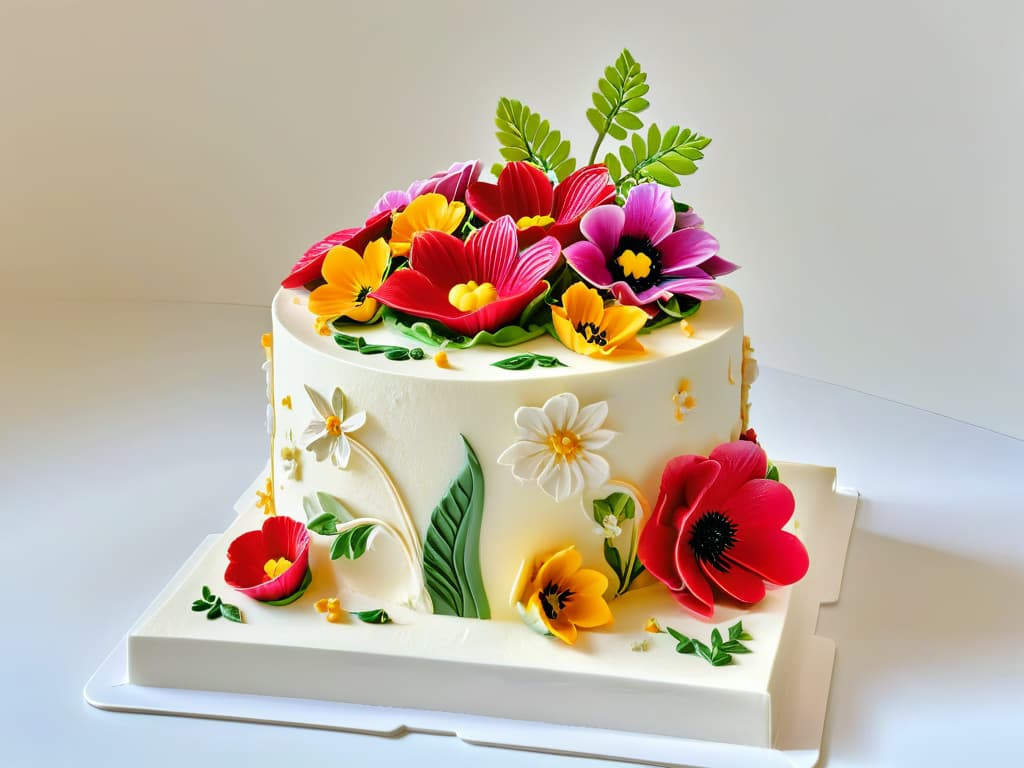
<point>482,679</point>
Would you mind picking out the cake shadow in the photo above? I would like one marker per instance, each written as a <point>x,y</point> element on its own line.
<point>911,619</point>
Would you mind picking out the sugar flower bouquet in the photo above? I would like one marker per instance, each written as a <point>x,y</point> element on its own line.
<point>594,256</point>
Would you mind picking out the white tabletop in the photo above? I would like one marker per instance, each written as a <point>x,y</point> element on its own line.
<point>129,429</point>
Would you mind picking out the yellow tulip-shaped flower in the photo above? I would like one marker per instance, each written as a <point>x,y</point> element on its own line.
<point>350,280</point>
<point>559,598</point>
<point>431,211</point>
<point>587,327</point>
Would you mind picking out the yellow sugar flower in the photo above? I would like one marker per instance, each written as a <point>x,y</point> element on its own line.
<point>587,327</point>
<point>431,211</point>
<point>557,597</point>
<point>350,280</point>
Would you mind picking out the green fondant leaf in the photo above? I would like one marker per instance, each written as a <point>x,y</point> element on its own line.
<point>332,506</point>
<point>613,557</point>
<point>734,646</point>
<point>325,524</point>
<point>451,550</point>
<point>207,594</point>
<point>719,658</point>
<point>601,510</point>
<point>215,611</point>
<point>231,613</point>
<point>716,637</point>
<point>677,635</point>
<point>201,605</point>
<point>436,335</point>
<point>638,568</point>
<point>736,630</point>
<point>527,360</point>
<point>679,307</point>
<point>623,506</point>
<point>353,543</point>
<point>685,646</point>
<point>289,599</point>
<point>376,616</point>
<point>391,352</point>
<point>773,472</point>
<point>702,650</point>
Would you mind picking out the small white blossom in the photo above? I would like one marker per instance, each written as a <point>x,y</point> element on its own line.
<point>327,435</point>
<point>609,527</point>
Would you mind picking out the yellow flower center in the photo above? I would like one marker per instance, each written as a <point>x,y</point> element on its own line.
<point>274,568</point>
<point>526,222</point>
<point>565,443</point>
<point>635,265</point>
<point>467,297</point>
<point>333,425</point>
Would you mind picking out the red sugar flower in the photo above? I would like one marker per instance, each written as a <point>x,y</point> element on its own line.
<point>717,523</point>
<point>307,269</point>
<point>482,284</point>
<point>271,563</point>
<point>538,208</point>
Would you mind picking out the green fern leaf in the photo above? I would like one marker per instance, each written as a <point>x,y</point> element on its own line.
<point>524,135</point>
<point>617,100</point>
<point>663,158</point>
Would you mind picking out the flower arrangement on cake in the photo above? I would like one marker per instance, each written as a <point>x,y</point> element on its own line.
<point>596,256</point>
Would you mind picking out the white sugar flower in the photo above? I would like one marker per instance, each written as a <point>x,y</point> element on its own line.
<point>557,445</point>
<point>609,527</point>
<point>326,436</point>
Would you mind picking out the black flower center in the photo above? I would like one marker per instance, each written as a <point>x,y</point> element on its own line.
<point>363,293</point>
<point>592,334</point>
<point>553,599</point>
<point>636,262</point>
<point>711,537</point>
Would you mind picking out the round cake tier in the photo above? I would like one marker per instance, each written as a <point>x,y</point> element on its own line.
<point>681,396</point>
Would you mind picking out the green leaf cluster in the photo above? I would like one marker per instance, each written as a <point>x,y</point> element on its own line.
<point>622,507</point>
<point>390,351</point>
<point>618,100</point>
<point>662,157</point>
<point>720,652</point>
<point>434,334</point>
<point>216,608</point>
<point>325,514</point>
<point>773,472</point>
<point>527,360</point>
<point>375,616</point>
<point>451,549</point>
<point>524,135</point>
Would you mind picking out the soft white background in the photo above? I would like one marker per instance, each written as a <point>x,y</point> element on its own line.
<point>865,170</point>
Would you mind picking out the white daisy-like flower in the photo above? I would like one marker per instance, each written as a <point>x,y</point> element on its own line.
<point>327,435</point>
<point>609,527</point>
<point>557,446</point>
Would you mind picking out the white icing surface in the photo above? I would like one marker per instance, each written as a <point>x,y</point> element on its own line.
<point>416,412</point>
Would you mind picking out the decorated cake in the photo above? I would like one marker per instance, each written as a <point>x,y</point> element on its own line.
<point>511,459</point>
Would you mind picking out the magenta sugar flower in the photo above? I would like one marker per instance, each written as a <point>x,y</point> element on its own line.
<point>452,183</point>
<point>637,253</point>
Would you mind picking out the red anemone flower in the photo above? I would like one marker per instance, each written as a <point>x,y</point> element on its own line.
<point>307,269</point>
<point>482,284</point>
<point>271,563</point>
<point>718,523</point>
<point>525,193</point>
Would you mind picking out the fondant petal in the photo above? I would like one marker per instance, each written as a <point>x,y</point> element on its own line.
<point>354,422</point>
<point>716,266</point>
<point>491,255</point>
<point>648,212</point>
<point>602,226</point>
<point>342,452</point>
<point>760,504</point>
<point>561,410</point>
<point>693,603</point>
<point>322,446</point>
<point>590,419</point>
<point>583,305</point>
<point>739,462</point>
<point>686,248</point>
<point>690,571</point>
<point>556,480</point>
<point>588,611</point>
<point>580,191</point>
<point>588,582</point>
<point>532,266</point>
<point>319,403</point>
<point>338,403</point>
<point>440,258</point>
<point>597,438</point>
<point>525,190</point>
<point>534,422</point>
<point>737,582</point>
<point>484,200</point>
<point>560,567</point>
<point>778,557</point>
<point>248,549</point>
<point>594,471</point>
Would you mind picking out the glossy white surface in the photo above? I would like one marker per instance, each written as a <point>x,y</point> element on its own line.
<point>126,424</point>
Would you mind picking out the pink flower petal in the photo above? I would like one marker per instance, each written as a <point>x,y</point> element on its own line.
<point>702,288</point>
<point>778,557</point>
<point>716,266</point>
<point>532,266</point>
<point>395,200</point>
<point>737,582</point>
<point>580,191</point>
<point>587,259</point>
<point>491,254</point>
<point>451,183</point>
<point>649,212</point>
<point>686,248</point>
<point>688,219</point>
<point>602,226</point>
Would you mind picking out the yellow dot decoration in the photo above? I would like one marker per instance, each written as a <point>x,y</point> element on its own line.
<point>330,606</point>
<point>267,340</point>
<point>441,359</point>
<point>287,402</point>
<point>265,499</point>
<point>683,401</point>
<point>686,329</point>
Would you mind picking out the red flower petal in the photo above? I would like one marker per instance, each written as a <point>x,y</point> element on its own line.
<point>412,292</point>
<point>484,200</point>
<point>244,576</point>
<point>691,602</point>
<point>248,548</point>
<point>441,259</point>
<point>307,269</point>
<point>778,557</point>
<point>760,504</point>
<point>491,254</point>
<point>532,266</point>
<point>279,537</point>
<point>737,582</point>
<point>691,572</point>
<point>740,461</point>
<point>525,190</point>
<point>580,191</point>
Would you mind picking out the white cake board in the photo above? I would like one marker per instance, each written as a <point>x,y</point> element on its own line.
<point>801,715</point>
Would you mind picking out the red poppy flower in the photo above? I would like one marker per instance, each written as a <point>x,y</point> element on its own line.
<point>307,269</point>
<point>525,193</point>
<point>482,284</point>
<point>271,563</point>
<point>718,523</point>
